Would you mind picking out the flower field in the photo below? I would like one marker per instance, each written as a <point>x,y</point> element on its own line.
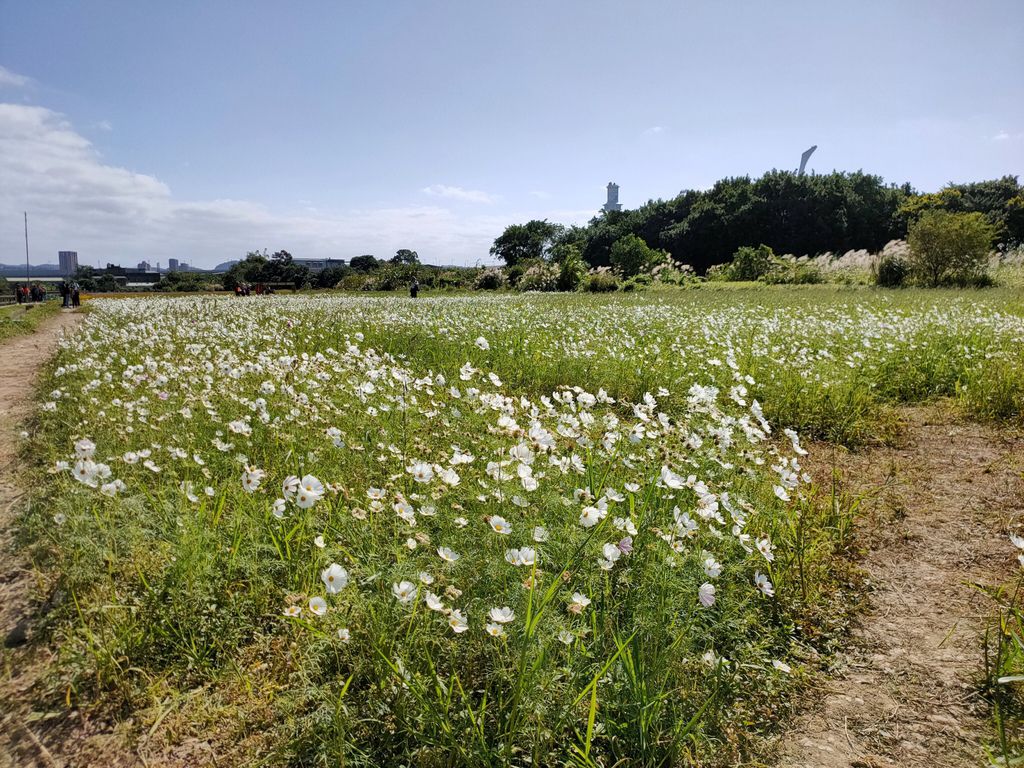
<point>475,530</point>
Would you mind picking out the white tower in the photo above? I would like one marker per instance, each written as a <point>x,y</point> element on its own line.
<point>612,204</point>
<point>804,158</point>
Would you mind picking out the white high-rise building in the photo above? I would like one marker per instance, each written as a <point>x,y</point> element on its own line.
<point>68,262</point>
<point>612,204</point>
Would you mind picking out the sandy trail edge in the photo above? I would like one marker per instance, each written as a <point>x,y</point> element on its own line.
<point>908,694</point>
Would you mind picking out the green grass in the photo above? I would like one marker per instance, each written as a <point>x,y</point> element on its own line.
<point>25,318</point>
<point>176,593</point>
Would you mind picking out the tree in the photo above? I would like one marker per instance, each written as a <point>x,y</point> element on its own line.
<point>949,247</point>
<point>631,255</point>
<point>364,263</point>
<point>520,242</point>
<point>405,256</point>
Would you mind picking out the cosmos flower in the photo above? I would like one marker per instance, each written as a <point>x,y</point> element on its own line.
<point>501,615</point>
<point>494,630</point>
<point>335,578</point>
<point>500,525</point>
<point>446,554</point>
<point>457,622</point>
<point>404,592</point>
<point>762,583</point>
<point>706,594</point>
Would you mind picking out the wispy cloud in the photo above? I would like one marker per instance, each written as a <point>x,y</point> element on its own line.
<point>458,193</point>
<point>1007,136</point>
<point>12,79</point>
<point>654,130</point>
<point>103,125</point>
<point>106,212</point>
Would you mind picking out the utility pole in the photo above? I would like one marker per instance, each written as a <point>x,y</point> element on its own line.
<point>28,267</point>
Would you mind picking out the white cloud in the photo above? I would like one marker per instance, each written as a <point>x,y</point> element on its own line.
<point>12,79</point>
<point>103,125</point>
<point>654,130</point>
<point>107,213</point>
<point>1007,136</point>
<point>458,193</point>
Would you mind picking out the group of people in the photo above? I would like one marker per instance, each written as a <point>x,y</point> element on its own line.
<point>244,289</point>
<point>29,294</point>
<point>70,294</point>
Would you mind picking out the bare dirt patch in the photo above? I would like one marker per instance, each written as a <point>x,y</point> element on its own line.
<point>908,694</point>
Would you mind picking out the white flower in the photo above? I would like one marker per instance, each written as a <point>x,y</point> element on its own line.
<point>446,554</point>
<point>764,546</point>
<point>782,666</point>
<point>404,592</point>
<point>344,635</point>
<point>481,342</point>
<point>375,494</point>
<point>319,542</point>
<point>761,582</point>
<point>706,594</point>
<point>292,611</point>
<point>421,472</point>
<point>712,568</point>
<point>591,516</point>
<point>670,479</point>
<point>457,622</point>
<point>85,448</point>
<point>277,508</point>
<point>411,543</point>
<point>566,637</point>
<point>611,552</point>
<point>334,578</point>
<point>494,630</point>
<point>781,492</point>
<point>309,492</point>
<point>318,606</point>
<point>434,602</point>
<point>251,478</point>
<point>540,534</point>
<point>501,615</point>
<point>500,525</point>
<point>579,602</point>
<point>426,578</point>
<point>1017,541</point>
<point>60,518</point>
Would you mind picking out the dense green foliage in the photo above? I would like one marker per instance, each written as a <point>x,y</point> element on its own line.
<point>949,248</point>
<point>277,270</point>
<point>791,214</point>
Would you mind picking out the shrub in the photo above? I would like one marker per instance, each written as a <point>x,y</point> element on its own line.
<point>601,281</point>
<point>719,273</point>
<point>573,270</point>
<point>637,283</point>
<point>750,263</point>
<point>490,280</point>
<point>539,277</point>
<point>515,273</point>
<point>949,248</point>
<point>452,279</point>
<point>630,255</point>
<point>892,272</point>
<point>793,271</point>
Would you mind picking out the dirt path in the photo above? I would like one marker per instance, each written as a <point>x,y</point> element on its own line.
<point>908,692</point>
<point>20,360</point>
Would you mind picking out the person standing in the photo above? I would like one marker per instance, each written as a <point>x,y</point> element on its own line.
<point>65,293</point>
<point>414,289</point>
<point>76,296</point>
<point>18,295</point>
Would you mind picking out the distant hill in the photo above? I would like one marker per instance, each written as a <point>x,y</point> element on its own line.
<point>224,266</point>
<point>42,270</point>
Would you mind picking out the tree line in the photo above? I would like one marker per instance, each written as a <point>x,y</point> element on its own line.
<point>790,213</point>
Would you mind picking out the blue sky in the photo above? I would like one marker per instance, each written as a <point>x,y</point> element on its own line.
<point>201,130</point>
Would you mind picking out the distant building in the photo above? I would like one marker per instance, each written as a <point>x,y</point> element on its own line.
<point>68,262</point>
<point>172,265</point>
<point>612,204</point>
<point>143,266</point>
